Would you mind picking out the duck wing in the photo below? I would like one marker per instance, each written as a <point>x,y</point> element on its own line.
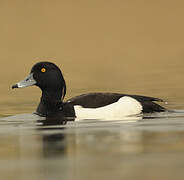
<point>96,100</point>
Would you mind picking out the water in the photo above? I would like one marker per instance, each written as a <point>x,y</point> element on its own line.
<point>133,47</point>
<point>148,148</point>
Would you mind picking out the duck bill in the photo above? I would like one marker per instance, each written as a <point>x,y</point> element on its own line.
<point>28,81</point>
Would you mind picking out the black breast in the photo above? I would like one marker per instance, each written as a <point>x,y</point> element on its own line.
<point>55,109</point>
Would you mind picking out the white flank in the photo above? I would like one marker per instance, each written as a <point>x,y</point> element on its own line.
<point>124,107</point>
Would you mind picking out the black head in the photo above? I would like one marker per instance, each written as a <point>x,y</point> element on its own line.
<point>47,76</point>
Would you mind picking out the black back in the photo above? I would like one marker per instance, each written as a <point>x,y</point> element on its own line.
<point>95,100</point>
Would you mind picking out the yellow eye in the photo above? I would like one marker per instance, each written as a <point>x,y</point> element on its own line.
<point>43,70</point>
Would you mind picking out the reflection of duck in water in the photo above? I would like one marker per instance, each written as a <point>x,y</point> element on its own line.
<point>48,77</point>
<point>54,144</point>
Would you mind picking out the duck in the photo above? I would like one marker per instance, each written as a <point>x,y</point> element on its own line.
<point>96,105</point>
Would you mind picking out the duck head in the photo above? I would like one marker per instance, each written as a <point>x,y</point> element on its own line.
<point>48,77</point>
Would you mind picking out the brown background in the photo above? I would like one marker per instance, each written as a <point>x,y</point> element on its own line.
<point>118,46</point>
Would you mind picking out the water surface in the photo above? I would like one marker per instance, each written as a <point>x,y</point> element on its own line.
<point>149,148</point>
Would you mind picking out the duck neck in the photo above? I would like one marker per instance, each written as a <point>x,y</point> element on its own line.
<point>50,102</point>
<point>51,96</point>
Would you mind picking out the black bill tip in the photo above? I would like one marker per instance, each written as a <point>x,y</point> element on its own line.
<point>15,86</point>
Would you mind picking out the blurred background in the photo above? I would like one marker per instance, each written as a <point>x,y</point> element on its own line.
<point>125,46</point>
<point>134,47</point>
